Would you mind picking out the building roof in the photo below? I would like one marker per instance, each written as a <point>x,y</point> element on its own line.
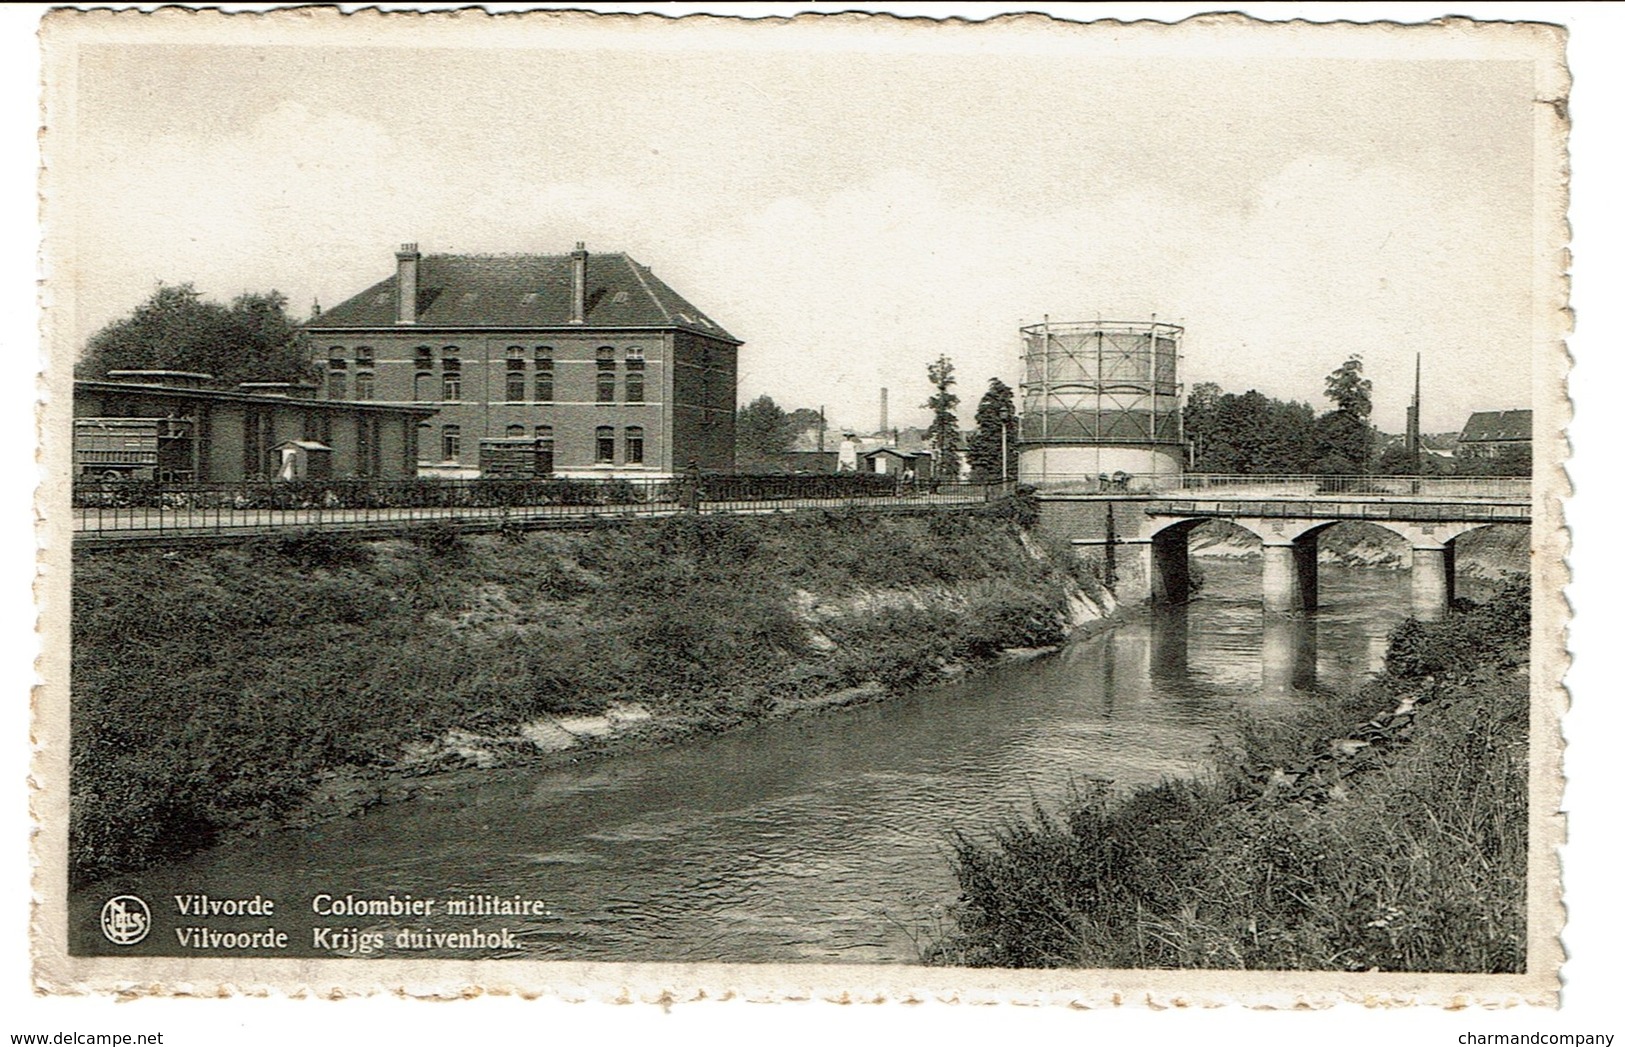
<point>1486,426</point>
<point>154,389</point>
<point>524,291</point>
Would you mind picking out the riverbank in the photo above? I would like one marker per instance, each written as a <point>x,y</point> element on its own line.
<point>227,691</point>
<point>1385,829</point>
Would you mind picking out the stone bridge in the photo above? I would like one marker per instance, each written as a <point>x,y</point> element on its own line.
<point>1141,537</point>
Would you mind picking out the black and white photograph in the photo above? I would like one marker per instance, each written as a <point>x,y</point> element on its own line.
<point>1029,507</point>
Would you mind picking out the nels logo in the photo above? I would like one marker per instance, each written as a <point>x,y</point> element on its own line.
<point>125,919</point>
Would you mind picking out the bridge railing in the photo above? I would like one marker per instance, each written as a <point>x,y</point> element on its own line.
<point>1511,487</point>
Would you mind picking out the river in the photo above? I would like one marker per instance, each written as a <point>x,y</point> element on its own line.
<point>820,838</point>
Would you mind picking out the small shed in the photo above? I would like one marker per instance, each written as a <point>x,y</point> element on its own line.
<point>304,460</point>
<point>890,461</point>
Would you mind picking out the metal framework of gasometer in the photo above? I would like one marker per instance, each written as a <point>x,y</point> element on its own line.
<point>1101,382</point>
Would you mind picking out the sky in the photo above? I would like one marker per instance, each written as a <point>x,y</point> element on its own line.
<point>851,202</point>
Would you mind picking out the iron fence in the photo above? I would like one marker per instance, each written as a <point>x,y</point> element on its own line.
<point>115,509</point>
<point>1301,486</point>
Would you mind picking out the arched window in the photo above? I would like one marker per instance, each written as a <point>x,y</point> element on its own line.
<point>423,387</point>
<point>515,432</point>
<point>363,385</point>
<point>516,374</point>
<point>335,358</point>
<point>451,387</point>
<point>423,358</point>
<point>337,385</point>
<point>544,374</point>
<point>605,439</point>
<point>606,387</point>
<point>634,445</point>
<point>451,443</point>
<point>634,387</point>
<point>634,359</point>
<point>363,356</point>
<point>606,358</point>
<point>451,360</point>
<point>544,436</point>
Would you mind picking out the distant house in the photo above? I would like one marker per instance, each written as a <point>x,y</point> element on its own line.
<point>1494,434</point>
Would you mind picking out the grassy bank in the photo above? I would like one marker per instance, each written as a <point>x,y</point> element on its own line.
<point>1383,830</point>
<point>213,688</point>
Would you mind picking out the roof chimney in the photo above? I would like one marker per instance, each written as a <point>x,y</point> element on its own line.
<point>406,284</point>
<point>578,284</point>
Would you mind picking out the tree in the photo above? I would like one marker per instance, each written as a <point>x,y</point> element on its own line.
<point>1343,436</point>
<point>992,447</point>
<point>176,329</point>
<point>763,432</point>
<point>944,429</point>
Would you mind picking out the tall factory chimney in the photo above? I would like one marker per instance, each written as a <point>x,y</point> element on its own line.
<point>406,284</point>
<point>883,422</point>
<point>578,284</point>
<point>1413,421</point>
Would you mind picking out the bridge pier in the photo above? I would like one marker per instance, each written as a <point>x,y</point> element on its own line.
<point>1291,574</point>
<point>1168,566</point>
<point>1433,580</point>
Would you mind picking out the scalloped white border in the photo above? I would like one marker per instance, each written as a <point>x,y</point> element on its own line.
<point>57,973</point>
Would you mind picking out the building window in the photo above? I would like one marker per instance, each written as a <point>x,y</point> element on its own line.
<point>423,358</point>
<point>451,387</point>
<point>515,432</point>
<point>634,387</point>
<point>544,450</point>
<point>634,445</point>
<point>606,387</point>
<point>516,387</point>
<point>516,358</point>
<point>335,358</point>
<point>363,385</point>
<point>423,388</point>
<point>451,443</point>
<point>451,360</point>
<point>363,356</point>
<point>606,358</point>
<point>544,374</point>
<point>337,386</point>
<point>424,437</point>
<point>634,359</point>
<point>606,445</point>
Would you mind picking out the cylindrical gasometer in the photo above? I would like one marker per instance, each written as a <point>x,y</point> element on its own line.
<point>1100,405</point>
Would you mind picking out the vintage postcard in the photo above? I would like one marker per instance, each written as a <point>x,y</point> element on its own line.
<point>851,506</point>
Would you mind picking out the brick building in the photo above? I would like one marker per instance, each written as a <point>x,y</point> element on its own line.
<point>607,368</point>
<point>221,435</point>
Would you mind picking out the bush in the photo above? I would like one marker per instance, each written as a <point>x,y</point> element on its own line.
<point>1405,853</point>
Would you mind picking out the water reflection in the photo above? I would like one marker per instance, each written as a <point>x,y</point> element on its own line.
<point>1289,654</point>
